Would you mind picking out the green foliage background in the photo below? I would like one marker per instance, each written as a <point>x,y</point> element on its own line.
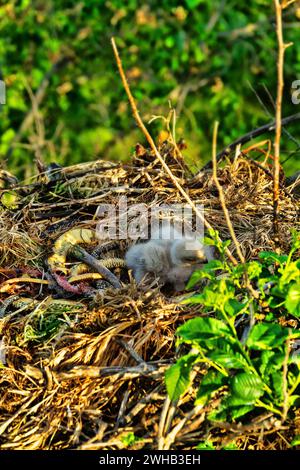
<point>203,56</point>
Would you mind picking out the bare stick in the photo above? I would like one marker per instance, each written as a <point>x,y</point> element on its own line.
<point>131,351</point>
<point>151,142</point>
<point>221,195</point>
<point>250,136</point>
<point>280,84</point>
<point>145,369</point>
<point>286,132</point>
<point>285,407</point>
<point>81,254</point>
<point>162,421</point>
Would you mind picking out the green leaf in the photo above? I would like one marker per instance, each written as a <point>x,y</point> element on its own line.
<point>219,414</point>
<point>288,274</point>
<point>265,284</point>
<point>230,446</point>
<point>206,272</point>
<point>215,295</point>
<point>238,411</point>
<point>233,307</point>
<point>246,387</point>
<point>209,241</point>
<point>210,383</point>
<point>196,277</point>
<point>194,299</point>
<point>193,3</point>
<point>228,360</point>
<point>296,239</point>
<point>200,328</point>
<point>270,257</point>
<point>267,336</point>
<point>130,439</point>
<point>265,358</point>
<point>270,361</point>
<point>213,265</point>
<point>292,302</point>
<point>296,441</point>
<point>254,269</point>
<point>206,445</point>
<point>226,243</point>
<point>177,377</point>
<point>277,383</point>
<point>10,199</point>
<point>294,400</point>
<point>238,271</point>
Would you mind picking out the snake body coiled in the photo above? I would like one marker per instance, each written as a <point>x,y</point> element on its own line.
<point>69,243</point>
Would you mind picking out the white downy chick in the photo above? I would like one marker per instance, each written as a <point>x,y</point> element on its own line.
<point>187,255</point>
<point>148,261</point>
<point>167,256</point>
<point>178,276</point>
<point>190,250</point>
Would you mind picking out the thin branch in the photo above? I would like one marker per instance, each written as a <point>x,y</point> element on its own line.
<point>280,62</point>
<point>284,130</point>
<point>40,128</point>
<point>285,407</point>
<point>162,422</point>
<point>221,195</point>
<point>148,369</point>
<point>143,128</point>
<point>250,136</point>
<point>280,84</point>
<point>131,351</point>
<point>171,437</point>
<point>81,254</point>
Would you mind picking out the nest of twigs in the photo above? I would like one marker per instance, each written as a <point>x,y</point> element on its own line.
<point>87,375</point>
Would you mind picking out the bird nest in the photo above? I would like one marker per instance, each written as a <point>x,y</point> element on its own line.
<point>84,371</point>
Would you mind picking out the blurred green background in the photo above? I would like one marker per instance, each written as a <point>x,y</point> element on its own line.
<point>203,57</point>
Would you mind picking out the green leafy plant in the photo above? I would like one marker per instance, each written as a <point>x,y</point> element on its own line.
<point>46,322</point>
<point>251,368</point>
<point>130,439</point>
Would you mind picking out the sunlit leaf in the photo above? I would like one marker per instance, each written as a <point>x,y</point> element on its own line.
<point>267,336</point>
<point>177,377</point>
<point>203,328</point>
<point>210,383</point>
<point>292,302</point>
<point>246,388</point>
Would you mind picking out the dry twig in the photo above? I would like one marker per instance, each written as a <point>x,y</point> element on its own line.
<point>250,136</point>
<point>280,83</point>
<point>221,195</point>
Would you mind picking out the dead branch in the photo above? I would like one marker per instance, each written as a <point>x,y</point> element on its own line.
<point>221,195</point>
<point>81,254</point>
<point>145,369</point>
<point>250,136</point>
<point>285,407</point>
<point>280,84</point>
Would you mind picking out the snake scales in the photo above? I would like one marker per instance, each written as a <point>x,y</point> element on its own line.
<point>69,243</point>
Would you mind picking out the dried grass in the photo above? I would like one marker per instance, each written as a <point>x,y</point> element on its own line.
<point>100,374</point>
